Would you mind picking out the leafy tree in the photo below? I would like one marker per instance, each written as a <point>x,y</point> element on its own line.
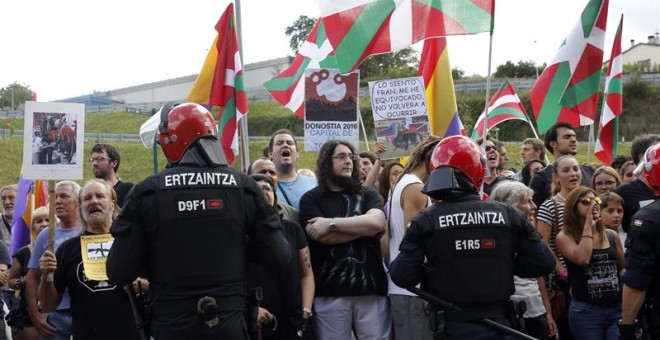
<point>377,66</point>
<point>299,31</point>
<point>20,93</point>
<point>457,73</point>
<point>524,69</point>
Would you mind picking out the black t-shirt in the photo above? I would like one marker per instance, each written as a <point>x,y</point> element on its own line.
<point>22,255</point>
<point>4,254</point>
<point>281,290</point>
<point>488,188</point>
<point>349,269</point>
<point>122,189</point>
<point>635,195</point>
<point>99,309</point>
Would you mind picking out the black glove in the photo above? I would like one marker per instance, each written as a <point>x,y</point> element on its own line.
<point>303,328</point>
<point>627,332</point>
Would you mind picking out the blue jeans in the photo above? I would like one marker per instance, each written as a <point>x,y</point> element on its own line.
<point>61,321</point>
<point>593,322</point>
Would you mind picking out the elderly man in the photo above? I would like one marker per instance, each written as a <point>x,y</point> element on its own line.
<point>266,167</point>
<point>57,324</point>
<point>8,196</point>
<point>98,207</point>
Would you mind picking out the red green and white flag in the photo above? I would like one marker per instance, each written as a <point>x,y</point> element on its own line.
<point>220,83</point>
<point>568,88</point>
<point>288,87</point>
<point>360,28</point>
<point>504,105</point>
<point>608,130</point>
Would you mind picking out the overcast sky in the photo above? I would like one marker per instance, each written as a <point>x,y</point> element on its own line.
<point>69,48</point>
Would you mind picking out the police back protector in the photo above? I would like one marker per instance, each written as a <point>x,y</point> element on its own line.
<point>470,253</point>
<point>201,239</point>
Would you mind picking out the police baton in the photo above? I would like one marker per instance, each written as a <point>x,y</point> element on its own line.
<point>137,313</point>
<point>450,306</point>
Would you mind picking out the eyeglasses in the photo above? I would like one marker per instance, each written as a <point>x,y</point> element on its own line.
<point>587,200</point>
<point>491,147</point>
<point>98,159</point>
<point>605,184</point>
<point>343,156</point>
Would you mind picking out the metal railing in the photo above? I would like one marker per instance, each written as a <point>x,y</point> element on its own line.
<point>259,93</point>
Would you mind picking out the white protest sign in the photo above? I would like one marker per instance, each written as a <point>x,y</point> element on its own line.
<point>398,98</point>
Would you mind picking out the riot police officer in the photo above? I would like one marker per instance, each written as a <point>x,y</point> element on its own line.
<point>190,228</point>
<point>473,248</point>
<point>642,276</point>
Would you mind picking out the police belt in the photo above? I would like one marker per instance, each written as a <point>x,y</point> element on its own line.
<point>477,313</point>
<point>190,305</point>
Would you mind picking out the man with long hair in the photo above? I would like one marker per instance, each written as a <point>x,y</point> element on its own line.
<point>344,221</point>
<point>405,202</point>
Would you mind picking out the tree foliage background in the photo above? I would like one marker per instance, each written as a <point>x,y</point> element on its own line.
<point>389,65</point>
<point>523,69</point>
<point>15,94</point>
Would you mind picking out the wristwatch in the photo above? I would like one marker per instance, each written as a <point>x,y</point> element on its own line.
<point>308,311</point>
<point>333,226</point>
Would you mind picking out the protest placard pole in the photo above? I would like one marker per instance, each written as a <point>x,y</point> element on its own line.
<point>364,131</point>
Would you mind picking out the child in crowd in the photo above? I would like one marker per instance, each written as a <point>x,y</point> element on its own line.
<point>611,211</point>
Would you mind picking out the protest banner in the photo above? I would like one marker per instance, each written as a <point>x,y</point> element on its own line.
<point>400,114</point>
<point>331,107</point>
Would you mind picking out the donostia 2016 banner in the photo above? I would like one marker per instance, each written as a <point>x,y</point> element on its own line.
<point>331,107</point>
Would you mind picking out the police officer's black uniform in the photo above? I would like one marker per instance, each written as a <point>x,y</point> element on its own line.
<point>643,267</point>
<point>642,276</point>
<point>190,228</point>
<point>473,249</point>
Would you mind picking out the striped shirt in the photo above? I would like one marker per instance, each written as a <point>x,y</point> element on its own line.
<point>547,215</point>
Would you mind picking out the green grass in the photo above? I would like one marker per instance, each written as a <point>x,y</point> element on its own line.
<point>137,161</point>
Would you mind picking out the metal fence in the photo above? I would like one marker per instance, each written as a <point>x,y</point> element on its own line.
<point>100,137</point>
<point>259,93</point>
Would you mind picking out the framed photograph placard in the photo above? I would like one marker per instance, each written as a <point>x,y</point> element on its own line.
<point>53,141</point>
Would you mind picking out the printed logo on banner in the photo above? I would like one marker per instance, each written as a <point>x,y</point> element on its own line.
<point>331,110</point>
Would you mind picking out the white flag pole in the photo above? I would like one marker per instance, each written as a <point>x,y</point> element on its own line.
<point>243,123</point>
<point>485,135</point>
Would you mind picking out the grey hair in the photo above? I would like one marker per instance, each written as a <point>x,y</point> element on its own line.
<point>75,187</point>
<point>112,195</point>
<point>8,187</point>
<point>510,192</point>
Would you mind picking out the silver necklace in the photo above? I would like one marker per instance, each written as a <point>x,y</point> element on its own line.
<point>290,185</point>
<point>561,196</point>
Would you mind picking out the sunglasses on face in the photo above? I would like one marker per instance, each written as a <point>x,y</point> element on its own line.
<point>587,200</point>
<point>491,147</point>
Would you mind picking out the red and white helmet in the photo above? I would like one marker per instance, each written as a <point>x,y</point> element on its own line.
<point>451,154</point>
<point>181,125</point>
<point>651,167</point>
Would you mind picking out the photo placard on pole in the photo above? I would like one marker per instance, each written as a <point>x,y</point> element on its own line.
<point>53,141</point>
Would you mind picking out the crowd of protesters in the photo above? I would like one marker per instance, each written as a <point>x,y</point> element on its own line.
<point>344,222</point>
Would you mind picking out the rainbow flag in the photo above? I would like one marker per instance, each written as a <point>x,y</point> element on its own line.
<point>30,194</point>
<point>434,67</point>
